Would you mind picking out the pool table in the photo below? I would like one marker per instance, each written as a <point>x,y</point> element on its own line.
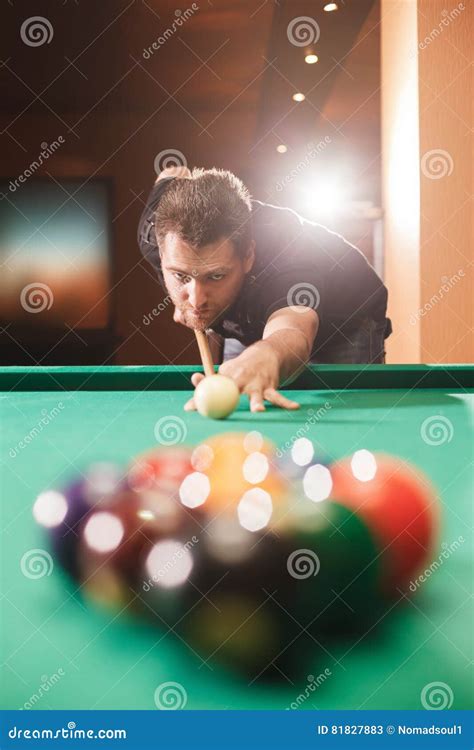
<point>55,421</point>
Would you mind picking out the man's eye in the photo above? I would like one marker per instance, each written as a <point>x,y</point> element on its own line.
<point>181,277</point>
<point>217,276</point>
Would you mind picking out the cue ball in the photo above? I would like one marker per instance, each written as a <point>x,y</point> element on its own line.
<point>216,396</point>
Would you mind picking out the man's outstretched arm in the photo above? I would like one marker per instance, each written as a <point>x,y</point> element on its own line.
<point>276,359</point>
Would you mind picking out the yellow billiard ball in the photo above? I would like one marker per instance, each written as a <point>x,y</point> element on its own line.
<point>216,396</point>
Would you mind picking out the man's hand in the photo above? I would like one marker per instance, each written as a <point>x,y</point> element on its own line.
<point>284,350</point>
<point>256,372</point>
<point>282,353</point>
<point>174,172</point>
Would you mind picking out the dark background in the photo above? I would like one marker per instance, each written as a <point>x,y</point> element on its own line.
<point>218,91</point>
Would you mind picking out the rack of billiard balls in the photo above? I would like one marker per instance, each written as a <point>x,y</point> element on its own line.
<point>251,557</point>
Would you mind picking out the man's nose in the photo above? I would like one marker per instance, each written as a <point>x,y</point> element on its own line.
<point>196,294</point>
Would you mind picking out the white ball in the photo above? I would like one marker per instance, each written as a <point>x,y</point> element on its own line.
<point>216,396</point>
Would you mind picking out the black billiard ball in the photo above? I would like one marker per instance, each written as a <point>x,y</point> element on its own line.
<point>236,599</point>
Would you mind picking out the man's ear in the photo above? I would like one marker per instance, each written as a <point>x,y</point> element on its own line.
<point>249,257</point>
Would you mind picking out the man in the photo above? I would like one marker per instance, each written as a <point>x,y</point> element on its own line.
<point>277,290</point>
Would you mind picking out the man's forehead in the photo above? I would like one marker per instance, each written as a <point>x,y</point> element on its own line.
<point>216,255</point>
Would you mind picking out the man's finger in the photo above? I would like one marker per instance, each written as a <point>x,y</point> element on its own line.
<point>278,399</point>
<point>256,401</point>
<point>196,378</point>
<point>177,317</point>
<point>190,405</point>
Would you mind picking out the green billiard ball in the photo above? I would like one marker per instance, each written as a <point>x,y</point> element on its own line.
<point>333,561</point>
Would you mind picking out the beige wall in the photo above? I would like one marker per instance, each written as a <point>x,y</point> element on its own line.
<point>445,95</point>
<point>400,176</point>
<point>427,178</point>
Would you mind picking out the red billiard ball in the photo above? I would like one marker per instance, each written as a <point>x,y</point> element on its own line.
<point>399,506</point>
<point>160,469</point>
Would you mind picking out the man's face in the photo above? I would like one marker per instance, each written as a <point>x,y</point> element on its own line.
<point>203,283</point>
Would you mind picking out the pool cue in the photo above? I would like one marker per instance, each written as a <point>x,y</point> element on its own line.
<point>205,353</point>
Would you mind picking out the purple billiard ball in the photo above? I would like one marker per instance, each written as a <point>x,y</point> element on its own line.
<point>63,512</point>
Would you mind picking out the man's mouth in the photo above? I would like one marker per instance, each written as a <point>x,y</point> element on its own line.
<point>198,313</point>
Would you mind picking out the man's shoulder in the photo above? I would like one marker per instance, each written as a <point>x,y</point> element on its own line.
<point>280,226</point>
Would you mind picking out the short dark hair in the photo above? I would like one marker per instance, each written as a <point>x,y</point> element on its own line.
<point>210,205</point>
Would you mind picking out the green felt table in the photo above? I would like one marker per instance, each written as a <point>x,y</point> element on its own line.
<point>55,421</point>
